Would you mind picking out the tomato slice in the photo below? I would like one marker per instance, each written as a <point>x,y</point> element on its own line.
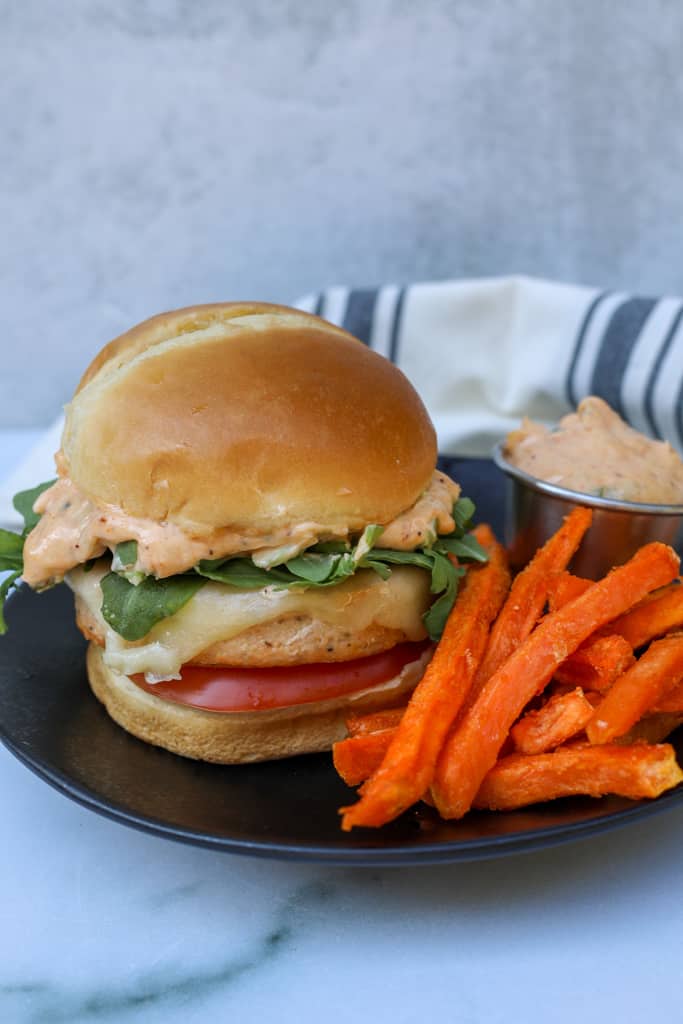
<point>256,689</point>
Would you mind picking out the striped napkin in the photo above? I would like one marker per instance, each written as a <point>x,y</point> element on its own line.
<point>484,353</point>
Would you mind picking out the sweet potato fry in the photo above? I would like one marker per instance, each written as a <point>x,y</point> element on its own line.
<point>357,757</point>
<point>374,721</point>
<point>408,767</point>
<point>471,749</point>
<point>652,729</point>
<point>389,718</point>
<point>658,670</point>
<point>560,718</point>
<point>564,587</point>
<point>652,618</point>
<point>529,592</point>
<point>597,662</point>
<point>634,772</point>
<point>671,703</point>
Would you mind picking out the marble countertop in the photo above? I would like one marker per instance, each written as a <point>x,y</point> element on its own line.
<point>105,924</point>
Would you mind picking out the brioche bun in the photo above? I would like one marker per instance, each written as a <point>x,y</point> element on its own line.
<point>237,737</point>
<point>250,420</point>
<point>249,416</point>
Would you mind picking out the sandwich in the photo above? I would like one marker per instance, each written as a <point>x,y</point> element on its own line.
<point>248,512</point>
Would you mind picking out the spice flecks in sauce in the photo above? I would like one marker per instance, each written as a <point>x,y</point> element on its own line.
<point>595,452</point>
<point>73,529</point>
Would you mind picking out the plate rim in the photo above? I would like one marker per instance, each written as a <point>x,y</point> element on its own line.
<point>396,855</point>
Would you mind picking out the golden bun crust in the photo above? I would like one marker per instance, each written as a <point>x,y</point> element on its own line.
<point>237,737</point>
<point>172,324</point>
<point>289,640</point>
<point>249,416</point>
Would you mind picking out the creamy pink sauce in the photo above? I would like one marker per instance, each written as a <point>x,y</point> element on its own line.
<point>593,451</point>
<point>430,513</point>
<point>73,529</point>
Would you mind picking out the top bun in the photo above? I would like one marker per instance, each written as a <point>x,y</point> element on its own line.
<point>250,416</point>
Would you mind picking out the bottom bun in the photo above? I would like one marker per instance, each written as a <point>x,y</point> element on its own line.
<point>238,737</point>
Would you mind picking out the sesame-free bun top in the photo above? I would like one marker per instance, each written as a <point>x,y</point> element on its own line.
<point>249,416</point>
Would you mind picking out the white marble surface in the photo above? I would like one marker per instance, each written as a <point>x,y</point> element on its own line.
<point>163,152</point>
<point>104,924</point>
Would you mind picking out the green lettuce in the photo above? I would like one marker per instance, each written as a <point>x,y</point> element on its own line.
<point>132,603</point>
<point>12,544</point>
<point>24,502</point>
<point>132,608</point>
<point>124,562</point>
<point>126,555</point>
<point>11,551</point>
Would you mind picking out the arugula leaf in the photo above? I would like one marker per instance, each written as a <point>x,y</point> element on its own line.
<point>463,512</point>
<point>133,610</point>
<point>379,567</point>
<point>330,547</point>
<point>328,563</point>
<point>321,570</point>
<point>421,558</point>
<point>24,502</point>
<point>11,551</point>
<point>306,570</point>
<point>240,572</point>
<point>369,537</point>
<point>435,618</point>
<point>462,547</point>
<point>12,544</point>
<point>124,562</point>
<point>5,586</point>
<point>443,573</point>
<point>314,567</point>
<point>445,578</point>
<point>132,603</point>
<point>126,554</point>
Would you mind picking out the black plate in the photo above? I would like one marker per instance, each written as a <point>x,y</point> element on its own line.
<point>51,721</point>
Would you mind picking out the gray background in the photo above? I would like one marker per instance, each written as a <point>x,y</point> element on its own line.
<point>161,152</point>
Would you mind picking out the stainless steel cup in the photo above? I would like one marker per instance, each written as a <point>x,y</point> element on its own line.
<point>534,510</point>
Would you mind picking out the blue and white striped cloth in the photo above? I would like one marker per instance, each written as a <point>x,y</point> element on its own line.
<point>484,353</point>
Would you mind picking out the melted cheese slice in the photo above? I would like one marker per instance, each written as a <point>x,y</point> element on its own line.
<point>218,612</point>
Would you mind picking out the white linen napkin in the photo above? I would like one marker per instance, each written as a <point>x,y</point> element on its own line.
<point>484,353</point>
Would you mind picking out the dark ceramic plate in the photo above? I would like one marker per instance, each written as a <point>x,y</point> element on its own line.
<point>50,720</point>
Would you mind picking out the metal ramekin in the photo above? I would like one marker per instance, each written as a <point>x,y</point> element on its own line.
<point>534,510</point>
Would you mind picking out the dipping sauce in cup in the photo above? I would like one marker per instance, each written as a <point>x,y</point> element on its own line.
<point>633,485</point>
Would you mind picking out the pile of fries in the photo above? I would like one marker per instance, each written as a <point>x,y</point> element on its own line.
<point>545,687</point>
